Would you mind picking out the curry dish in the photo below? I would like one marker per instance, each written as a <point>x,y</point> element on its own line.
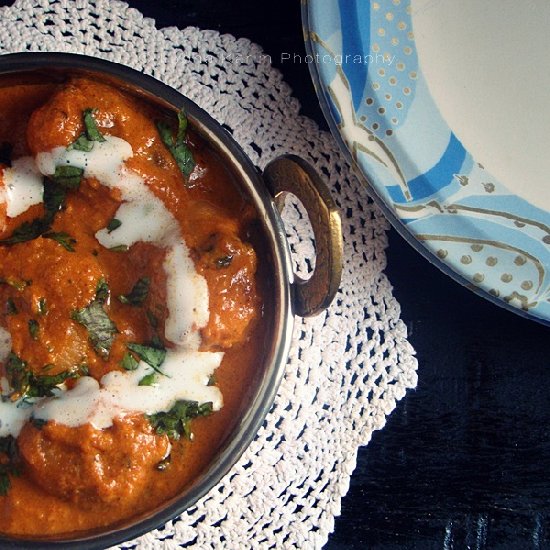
<point>129,296</point>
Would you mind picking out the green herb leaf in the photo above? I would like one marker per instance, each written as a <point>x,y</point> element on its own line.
<point>85,142</point>
<point>8,446</point>
<point>184,159</point>
<point>27,231</point>
<point>119,248</point>
<point>33,328</point>
<point>5,482</point>
<point>182,126</point>
<point>11,308</point>
<point>138,294</point>
<point>129,362</point>
<point>38,423</point>
<point>54,198</point>
<point>67,176</point>
<point>92,131</point>
<point>101,330</point>
<point>64,239</point>
<point>43,385</point>
<point>82,143</point>
<point>17,373</point>
<point>26,383</point>
<point>42,308</point>
<point>9,456</point>
<point>148,379</point>
<point>156,342</point>
<point>113,224</point>
<point>84,370</point>
<point>152,318</point>
<point>153,356</point>
<point>178,147</point>
<point>102,291</point>
<point>176,422</point>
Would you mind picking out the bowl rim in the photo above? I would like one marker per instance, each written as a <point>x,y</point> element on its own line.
<point>244,433</point>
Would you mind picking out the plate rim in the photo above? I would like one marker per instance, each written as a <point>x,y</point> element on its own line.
<point>395,221</point>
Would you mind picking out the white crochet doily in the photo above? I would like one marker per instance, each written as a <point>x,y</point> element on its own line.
<point>348,366</point>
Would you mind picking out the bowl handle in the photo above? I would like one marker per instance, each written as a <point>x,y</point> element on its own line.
<point>291,174</point>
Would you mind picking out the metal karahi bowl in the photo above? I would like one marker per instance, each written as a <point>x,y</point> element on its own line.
<point>290,296</point>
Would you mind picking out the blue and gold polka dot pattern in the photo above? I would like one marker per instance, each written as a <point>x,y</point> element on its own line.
<point>378,104</point>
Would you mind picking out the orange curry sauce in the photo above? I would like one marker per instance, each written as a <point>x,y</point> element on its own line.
<point>78,479</point>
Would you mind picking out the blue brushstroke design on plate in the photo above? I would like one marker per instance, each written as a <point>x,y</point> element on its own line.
<point>447,205</point>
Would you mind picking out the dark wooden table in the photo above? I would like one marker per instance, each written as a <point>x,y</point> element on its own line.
<point>464,460</point>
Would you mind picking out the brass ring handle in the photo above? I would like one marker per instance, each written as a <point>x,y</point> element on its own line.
<point>291,174</point>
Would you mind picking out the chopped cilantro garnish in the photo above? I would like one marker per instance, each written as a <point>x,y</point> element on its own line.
<point>129,362</point>
<point>26,383</point>
<point>148,379</point>
<point>42,386</point>
<point>42,308</point>
<point>101,330</point>
<point>102,291</point>
<point>27,231</point>
<point>82,143</point>
<point>33,328</point>
<point>85,142</point>
<point>138,294</point>
<point>54,198</point>
<point>156,342</point>
<point>92,131</point>
<point>64,239</point>
<point>119,248</point>
<point>67,176</point>
<point>18,374</point>
<point>113,224</point>
<point>178,147</point>
<point>153,355</point>
<point>5,482</point>
<point>38,423</point>
<point>11,308</point>
<point>152,318</point>
<point>176,422</point>
<point>8,462</point>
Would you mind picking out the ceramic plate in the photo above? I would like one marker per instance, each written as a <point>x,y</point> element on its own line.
<point>443,107</point>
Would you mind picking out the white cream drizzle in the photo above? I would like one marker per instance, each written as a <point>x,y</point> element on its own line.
<point>23,186</point>
<point>13,416</point>
<point>103,162</point>
<point>185,376</point>
<point>186,371</point>
<point>186,296</point>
